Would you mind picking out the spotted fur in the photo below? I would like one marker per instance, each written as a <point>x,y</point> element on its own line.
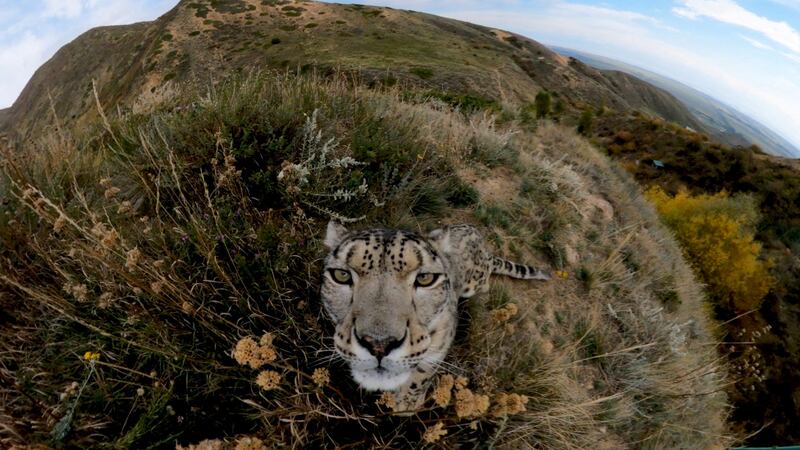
<point>392,327</point>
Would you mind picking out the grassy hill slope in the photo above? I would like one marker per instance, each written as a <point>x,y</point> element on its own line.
<point>136,65</point>
<point>161,242</point>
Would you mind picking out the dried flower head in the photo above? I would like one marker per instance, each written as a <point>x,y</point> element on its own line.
<point>107,236</point>
<point>79,291</point>
<point>187,307</point>
<point>387,399</point>
<point>268,380</point>
<point>468,403</point>
<point>506,404</point>
<point>321,376</point>
<point>125,207</point>
<point>105,182</point>
<point>111,192</point>
<point>504,313</point>
<point>158,286</point>
<point>105,300</point>
<point>207,444</point>
<point>434,433</point>
<point>443,391</point>
<point>266,339</point>
<point>250,443</point>
<point>110,238</point>
<point>249,352</point>
<point>140,391</point>
<point>59,223</point>
<point>133,258</point>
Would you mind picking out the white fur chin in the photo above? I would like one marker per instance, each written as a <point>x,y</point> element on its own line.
<point>372,380</point>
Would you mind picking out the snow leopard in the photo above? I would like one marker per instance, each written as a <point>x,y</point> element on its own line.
<point>393,297</point>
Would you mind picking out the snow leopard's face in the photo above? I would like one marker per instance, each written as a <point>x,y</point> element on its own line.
<point>389,294</point>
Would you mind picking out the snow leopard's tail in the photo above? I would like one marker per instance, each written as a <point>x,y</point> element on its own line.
<point>511,269</point>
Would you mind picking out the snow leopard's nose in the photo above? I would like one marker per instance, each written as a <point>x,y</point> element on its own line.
<point>379,347</point>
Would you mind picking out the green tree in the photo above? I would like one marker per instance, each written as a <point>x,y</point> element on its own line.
<point>585,122</point>
<point>559,108</point>
<point>542,104</point>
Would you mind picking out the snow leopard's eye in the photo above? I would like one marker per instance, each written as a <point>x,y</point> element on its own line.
<point>426,279</point>
<point>341,276</point>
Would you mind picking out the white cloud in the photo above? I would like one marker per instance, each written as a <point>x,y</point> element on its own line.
<point>728,11</point>
<point>756,43</point>
<point>62,8</point>
<point>24,55</point>
<point>631,36</point>
<point>30,36</point>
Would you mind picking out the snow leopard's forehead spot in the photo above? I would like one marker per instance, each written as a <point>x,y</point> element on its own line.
<point>397,251</point>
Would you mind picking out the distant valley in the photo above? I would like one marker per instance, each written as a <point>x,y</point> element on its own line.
<point>721,121</point>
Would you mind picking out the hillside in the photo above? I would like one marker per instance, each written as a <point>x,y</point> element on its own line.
<point>769,330</point>
<point>142,260</point>
<point>135,65</point>
<point>724,123</point>
<point>161,253</point>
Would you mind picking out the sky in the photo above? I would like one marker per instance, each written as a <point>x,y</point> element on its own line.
<point>743,52</point>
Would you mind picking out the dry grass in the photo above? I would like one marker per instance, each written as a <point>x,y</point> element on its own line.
<point>202,248</point>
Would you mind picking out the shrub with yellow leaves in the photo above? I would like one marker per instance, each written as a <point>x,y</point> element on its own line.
<point>716,232</point>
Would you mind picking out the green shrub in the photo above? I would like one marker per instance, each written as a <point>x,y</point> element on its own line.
<point>542,103</point>
<point>422,72</point>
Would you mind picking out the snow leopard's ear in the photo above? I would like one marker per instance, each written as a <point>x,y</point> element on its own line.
<point>334,235</point>
<point>440,239</point>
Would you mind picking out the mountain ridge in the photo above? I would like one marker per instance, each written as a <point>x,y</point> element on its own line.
<point>724,122</point>
<point>132,65</point>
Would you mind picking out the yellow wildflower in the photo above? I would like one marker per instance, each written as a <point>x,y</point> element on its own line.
<point>91,356</point>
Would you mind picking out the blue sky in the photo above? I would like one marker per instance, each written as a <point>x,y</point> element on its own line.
<point>743,52</point>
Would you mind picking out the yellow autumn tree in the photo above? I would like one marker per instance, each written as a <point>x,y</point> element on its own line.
<point>716,233</point>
